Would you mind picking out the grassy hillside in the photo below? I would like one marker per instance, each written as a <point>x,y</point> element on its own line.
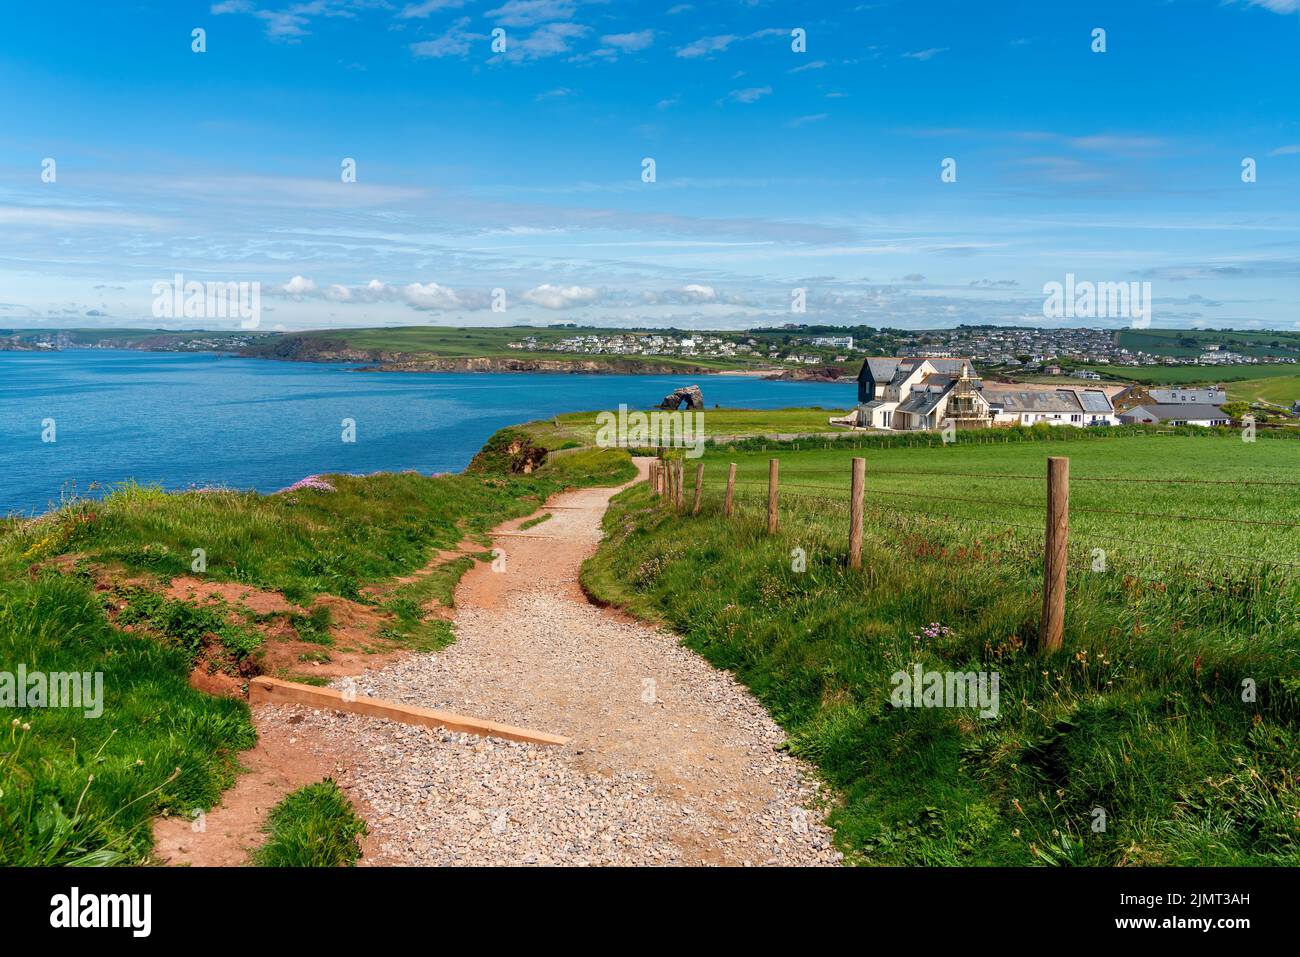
<point>443,342</point>
<point>1142,713</point>
<point>1193,342</point>
<point>1279,389</point>
<point>1189,375</point>
<point>86,589</point>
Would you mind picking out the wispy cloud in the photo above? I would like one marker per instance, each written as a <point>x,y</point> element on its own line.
<point>629,42</point>
<point>750,94</point>
<point>706,45</point>
<point>925,54</point>
<point>1277,6</point>
<point>527,13</point>
<point>427,8</point>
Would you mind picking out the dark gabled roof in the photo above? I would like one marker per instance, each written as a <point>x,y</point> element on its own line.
<point>904,369</point>
<point>1167,396</point>
<point>1162,412</point>
<point>895,370</point>
<point>1014,401</point>
<point>882,369</point>
<point>922,401</point>
<point>948,366</point>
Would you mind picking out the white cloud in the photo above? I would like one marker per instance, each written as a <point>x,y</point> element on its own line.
<point>699,293</point>
<point>430,296</point>
<point>421,10</point>
<point>550,39</point>
<point>1277,6</point>
<point>560,297</point>
<point>629,42</point>
<point>455,42</point>
<point>924,55</point>
<point>526,13</point>
<point>749,95</point>
<point>809,118</point>
<point>1116,143</point>
<point>1289,150</point>
<point>706,45</point>
<point>299,286</point>
<point>64,217</point>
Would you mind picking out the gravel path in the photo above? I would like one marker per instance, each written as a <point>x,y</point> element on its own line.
<point>671,761</point>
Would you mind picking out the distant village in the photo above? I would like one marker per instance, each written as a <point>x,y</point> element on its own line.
<point>1028,350</point>
<point>703,345</point>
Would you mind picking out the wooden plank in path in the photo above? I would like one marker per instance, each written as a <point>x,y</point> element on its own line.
<point>266,690</point>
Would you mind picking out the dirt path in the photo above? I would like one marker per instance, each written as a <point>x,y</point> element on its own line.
<point>671,761</point>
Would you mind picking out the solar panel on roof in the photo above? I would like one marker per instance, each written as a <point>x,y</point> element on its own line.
<point>1094,401</point>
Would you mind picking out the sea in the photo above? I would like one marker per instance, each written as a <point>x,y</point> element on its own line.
<point>77,422</point>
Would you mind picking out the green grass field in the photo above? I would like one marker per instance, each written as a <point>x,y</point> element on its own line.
<point>1278,389</point>
<point>1197,375</point>
<point>1192,342</point>
<point>996,486</point>
<point>580,428</point>
<point>1140,718</point>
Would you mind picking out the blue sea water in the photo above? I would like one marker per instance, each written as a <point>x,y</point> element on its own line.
<point>183,420</point>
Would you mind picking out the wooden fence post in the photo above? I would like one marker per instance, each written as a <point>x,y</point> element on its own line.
<point>699,488</point>
<point>1055,554</point>
<point>856,494</point>
<point>773,468</point>
<point>654,479</point>
<point>668,480</point>
<point>680,487</point>
<point>731,487</point>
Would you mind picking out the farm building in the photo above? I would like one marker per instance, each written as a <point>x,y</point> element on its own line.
<point>1175,414</point>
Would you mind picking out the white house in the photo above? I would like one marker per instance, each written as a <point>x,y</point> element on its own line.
<point>1020,405</point>
<point>920,393</point>
<point>886,383</point>
<point>1175,414</point>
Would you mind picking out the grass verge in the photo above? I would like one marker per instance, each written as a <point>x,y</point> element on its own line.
<point>1171,720</point>
<point>83,787</point>
<point>315,826</point>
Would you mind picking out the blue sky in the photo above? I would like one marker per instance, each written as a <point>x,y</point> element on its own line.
<point>775,169</point>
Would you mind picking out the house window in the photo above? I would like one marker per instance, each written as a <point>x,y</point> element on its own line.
<point>1076,418</point>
